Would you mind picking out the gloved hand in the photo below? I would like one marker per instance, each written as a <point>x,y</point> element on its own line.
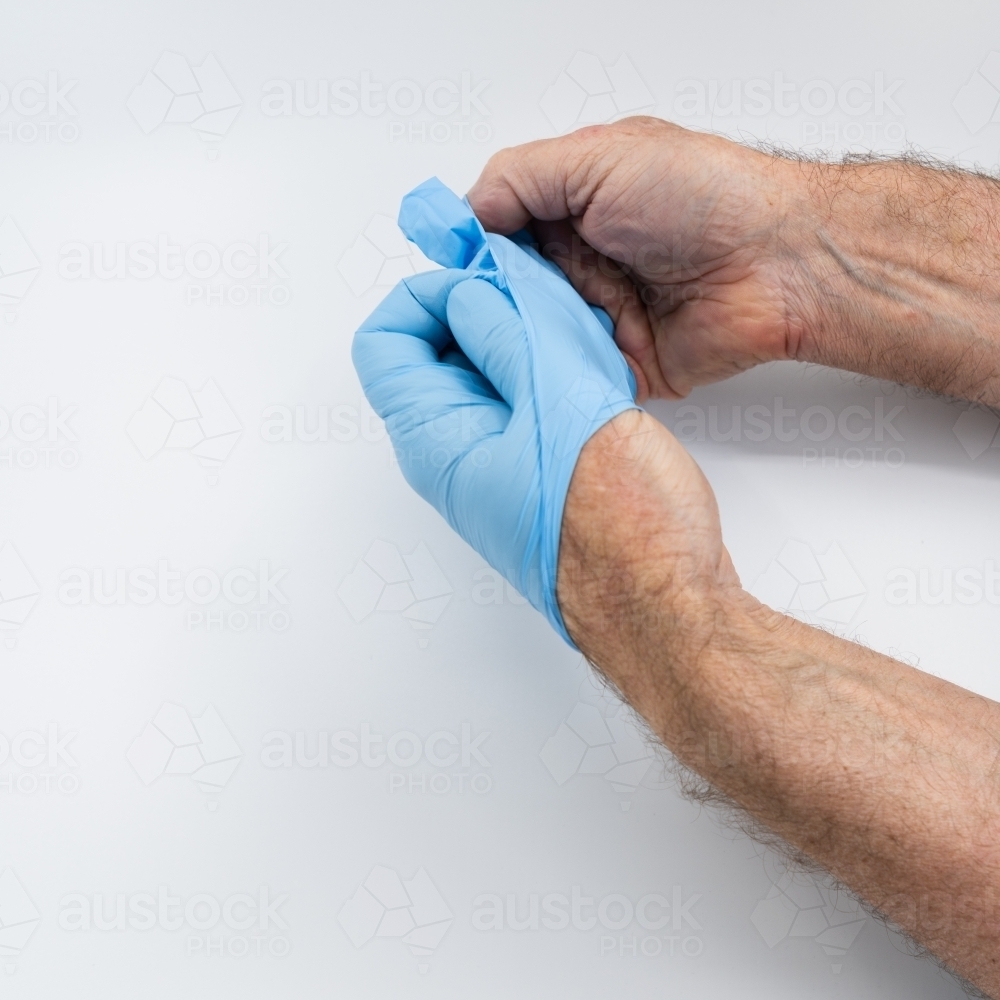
<point>491,376</point>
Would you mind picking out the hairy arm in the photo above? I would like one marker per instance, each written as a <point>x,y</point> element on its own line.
<point>884,775</point>
<point>712,257</point>
<point>898,274</point>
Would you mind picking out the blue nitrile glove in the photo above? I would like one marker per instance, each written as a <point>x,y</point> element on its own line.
<point>491,376</point>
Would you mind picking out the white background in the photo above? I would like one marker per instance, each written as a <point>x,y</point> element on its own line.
<point>87,825</point>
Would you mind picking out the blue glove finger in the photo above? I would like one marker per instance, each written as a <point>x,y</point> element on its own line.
<point>454,355</point>
<point>417,306</point>
<point>510,324</point>
<point>402,375</point>
<point>438,408</point>
<point>409,330</point>
<point>445,229</point>
<point>491,333</point>
<point>447,234</point>
<point>526,242</point>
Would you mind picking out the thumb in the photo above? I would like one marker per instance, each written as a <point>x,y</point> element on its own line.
<point>490,330</point>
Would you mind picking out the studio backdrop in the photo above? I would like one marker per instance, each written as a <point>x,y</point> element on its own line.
<point>268,727</point>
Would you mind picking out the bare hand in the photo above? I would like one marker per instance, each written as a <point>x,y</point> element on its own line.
<point>677,234</point>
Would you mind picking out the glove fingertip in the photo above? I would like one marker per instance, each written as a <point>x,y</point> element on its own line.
<point>441,224</point>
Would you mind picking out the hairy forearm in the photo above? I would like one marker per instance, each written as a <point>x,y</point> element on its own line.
<point>884,775</point>
<point>895,272</point>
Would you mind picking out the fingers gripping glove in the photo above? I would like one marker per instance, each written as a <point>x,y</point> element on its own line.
<point>491,376</point>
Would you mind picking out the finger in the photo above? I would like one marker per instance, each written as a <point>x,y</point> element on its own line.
<point>490,331</point>
<point>417,306</point>
<point>441,224</point>
<point>439,411</point>
<point>397,353</point>
<point>454,355</point>
<point>602,282</point>
<point>546,179</point>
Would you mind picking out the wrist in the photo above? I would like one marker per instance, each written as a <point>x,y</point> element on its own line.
<point>644,581</point>
<point>830,246</point>
<point>648,593</point>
